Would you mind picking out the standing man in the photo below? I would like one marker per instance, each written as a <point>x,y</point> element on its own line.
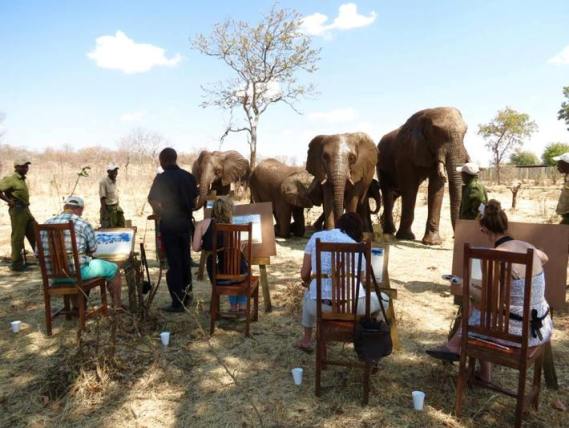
<point>14,191</point>
<point>473,192</point>
<point>563,204</point>
<point>172,197</point>
<point>111,213</point>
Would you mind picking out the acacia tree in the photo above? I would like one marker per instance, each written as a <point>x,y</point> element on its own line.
<point>552,150</point>
<point>563,113</point>
<point>506,132</point>
<point>265,60</point>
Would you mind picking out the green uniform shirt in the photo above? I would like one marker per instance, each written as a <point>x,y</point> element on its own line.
<point>15,186</point>
<point>473,194</point>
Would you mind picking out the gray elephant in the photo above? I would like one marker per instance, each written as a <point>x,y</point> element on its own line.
<point>344,166</point>
<point>287,188</point>
<point>429,145</point>
<point>215,171</point>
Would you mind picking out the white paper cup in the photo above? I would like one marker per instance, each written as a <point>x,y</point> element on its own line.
<point>418,399</point>
<point>16,325</point>
<point>165,338</point>
<point>297,375</point>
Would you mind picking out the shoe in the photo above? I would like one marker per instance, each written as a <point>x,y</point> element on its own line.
<point>173,309</point>
<point>443,354</point>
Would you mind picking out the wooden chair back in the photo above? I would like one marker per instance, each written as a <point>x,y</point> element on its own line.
<point>349,266</point>
<point>496,288</point>
<point>229,243</point>
<point>57,252</point>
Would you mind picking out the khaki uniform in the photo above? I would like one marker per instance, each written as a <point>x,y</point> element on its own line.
<point>21,218</point>
<point>111,213</point>
<point>473,194</point>
<point>563,204</point>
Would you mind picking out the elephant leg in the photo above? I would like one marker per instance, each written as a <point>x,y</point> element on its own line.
<point>408,199</point>
<point>283,212</point>
<point>298,225</point>
<point>435,201</point>
<point>388,197</point>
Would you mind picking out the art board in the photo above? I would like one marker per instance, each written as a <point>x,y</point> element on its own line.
<point>115,244</point>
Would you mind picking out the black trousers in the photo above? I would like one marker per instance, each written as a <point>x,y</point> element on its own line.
<point>179,275</point>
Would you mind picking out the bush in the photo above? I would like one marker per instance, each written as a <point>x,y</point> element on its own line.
<point>521,158</point>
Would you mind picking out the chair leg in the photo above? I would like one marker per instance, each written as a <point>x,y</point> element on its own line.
<point>67,306</point>
<point>105,307</point>
<point>537,368</point>
<point>47,301</point>
<point>82,307</point>
<point>212,313</point>
<point>318,371</point>
<point>256,305</point>
<point>367,370</point>
<point>521,395</point>
<point>248,315</point>
<point>460,385</point>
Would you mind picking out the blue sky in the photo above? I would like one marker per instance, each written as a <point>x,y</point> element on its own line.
<point>379,65</point>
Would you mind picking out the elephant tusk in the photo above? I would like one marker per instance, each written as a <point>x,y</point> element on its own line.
<point>323,182</point>
<point>351,181</point>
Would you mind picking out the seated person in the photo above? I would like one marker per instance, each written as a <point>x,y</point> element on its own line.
<point>494,224</point>
<point>349,229</point>
<point>87,245</point>
<point>221,212</point>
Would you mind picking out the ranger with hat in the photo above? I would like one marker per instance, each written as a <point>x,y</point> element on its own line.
<point>473,192</point>
<point>111,213</point>
<point>14,190</point>
<point>563,204</point>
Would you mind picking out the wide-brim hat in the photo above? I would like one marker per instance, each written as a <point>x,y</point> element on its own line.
<point>563,158</point>
<point>469,168</point>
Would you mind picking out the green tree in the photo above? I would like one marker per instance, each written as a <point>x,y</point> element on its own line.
<point>524,158</point>
<point>563,113</point>
<point>265,60</point>
<point>505,133</point>
<point>552,150</point>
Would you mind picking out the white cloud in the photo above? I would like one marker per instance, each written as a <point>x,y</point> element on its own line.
<point>119,52</point>
<point>347,19</point>
<point>134,116</point>
<point>341,115</point>
<point>561,58</point>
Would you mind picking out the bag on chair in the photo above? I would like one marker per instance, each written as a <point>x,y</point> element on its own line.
<point>372,338</point>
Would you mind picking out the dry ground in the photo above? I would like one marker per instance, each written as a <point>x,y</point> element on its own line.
<point>231,381</point>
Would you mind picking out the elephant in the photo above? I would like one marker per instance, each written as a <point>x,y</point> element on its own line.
<point>215,171</point>
<point>429,145</point>
<point>287,188</point>
<point>344,166</point>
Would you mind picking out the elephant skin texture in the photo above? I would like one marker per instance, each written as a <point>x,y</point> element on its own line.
<point>215,171</point>
<point>344,166</point>
<point>287,188</point>
<point>430,145</point>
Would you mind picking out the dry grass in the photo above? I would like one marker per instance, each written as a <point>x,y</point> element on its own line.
<point>227,380</point>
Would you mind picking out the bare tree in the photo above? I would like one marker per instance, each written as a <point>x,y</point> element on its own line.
<point>265,60</point>
<point>141,146</point>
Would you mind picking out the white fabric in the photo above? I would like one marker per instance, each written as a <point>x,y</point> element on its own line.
<point>564,157</point>
<point>469,168</point>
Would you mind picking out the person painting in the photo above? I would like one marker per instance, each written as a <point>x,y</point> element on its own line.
<point>14,191</point>
<point>111,214</point>
<point>563,203</point>
<point>221,212</point>
<point>494,225</point>
<point>473,192</point>
<point>86,245</point>
<point>172,197</point>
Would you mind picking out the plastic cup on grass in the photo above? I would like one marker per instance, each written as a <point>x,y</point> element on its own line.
<point>418,400</point>
<point>297,375</point>
<point>165,338</point>
<point>15,326</point>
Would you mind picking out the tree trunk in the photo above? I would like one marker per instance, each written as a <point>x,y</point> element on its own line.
<point>253,148</point>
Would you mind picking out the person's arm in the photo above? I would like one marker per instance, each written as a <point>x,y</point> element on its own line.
<point>543,258</point>
<point>306,269</point>
<point>201,228</point>
<point>5,192</point>
<point>153,196</point>
<point>90,239</point>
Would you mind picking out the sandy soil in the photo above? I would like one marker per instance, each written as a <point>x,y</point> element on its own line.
<point>231,381</point>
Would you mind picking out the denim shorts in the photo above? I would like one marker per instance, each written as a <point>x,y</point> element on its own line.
<point>96,268</point>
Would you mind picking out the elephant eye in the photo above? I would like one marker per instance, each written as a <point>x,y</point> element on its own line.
<point>352,158</point>
<point>326,156</point>
<point>217,171</point>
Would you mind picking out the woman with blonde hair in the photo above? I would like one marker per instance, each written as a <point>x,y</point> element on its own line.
<point>221,212</point>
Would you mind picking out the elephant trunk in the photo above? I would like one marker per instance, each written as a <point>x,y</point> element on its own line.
<point>205,182</point>
<point>338,186</point>
<point>454,159</point>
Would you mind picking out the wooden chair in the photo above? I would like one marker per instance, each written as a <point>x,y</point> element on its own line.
<point>241,284</point>
<point>338,325</point>
<point>494,324</point>
<point>61,275</point>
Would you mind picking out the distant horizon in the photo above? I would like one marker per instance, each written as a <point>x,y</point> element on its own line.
<point>86,74</point>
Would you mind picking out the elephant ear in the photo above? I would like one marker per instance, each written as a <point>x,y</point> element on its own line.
<point>197,165</point>
<point>366,160</point>
<point>417,131</point>
<point>314,158</point>
<point>235,168</point>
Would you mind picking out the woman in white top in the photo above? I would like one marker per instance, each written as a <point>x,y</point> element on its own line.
<point>349,229</point>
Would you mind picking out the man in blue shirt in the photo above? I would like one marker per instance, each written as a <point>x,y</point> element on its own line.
<point>172,197</point>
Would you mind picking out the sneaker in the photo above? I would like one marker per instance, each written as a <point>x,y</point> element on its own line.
<point>173,309</point>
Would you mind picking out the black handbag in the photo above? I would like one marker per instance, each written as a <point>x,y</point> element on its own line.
<point>372,338</point>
